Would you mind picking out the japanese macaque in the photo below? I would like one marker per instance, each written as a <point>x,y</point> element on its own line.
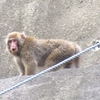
<point>30,53</point>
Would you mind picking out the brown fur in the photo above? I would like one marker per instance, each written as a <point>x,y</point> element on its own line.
<point>37,52</point>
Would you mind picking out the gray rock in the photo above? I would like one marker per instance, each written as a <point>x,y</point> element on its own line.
<point>73,20</point>
<point>67,84</point>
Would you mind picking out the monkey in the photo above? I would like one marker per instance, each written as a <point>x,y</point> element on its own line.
<point>29,52</point>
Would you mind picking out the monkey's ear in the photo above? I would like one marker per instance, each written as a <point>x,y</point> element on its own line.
<point>23,35</point>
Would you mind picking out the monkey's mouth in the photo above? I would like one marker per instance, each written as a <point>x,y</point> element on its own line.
<point>14,50</point>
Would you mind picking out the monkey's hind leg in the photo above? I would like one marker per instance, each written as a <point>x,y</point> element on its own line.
<point>77,62</point>
<point>52,59</point>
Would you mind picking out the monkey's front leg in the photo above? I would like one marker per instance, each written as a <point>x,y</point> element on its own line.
<point>20,66</point>
<point>30,67</point>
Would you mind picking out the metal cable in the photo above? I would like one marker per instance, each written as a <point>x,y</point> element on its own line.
<point>49,69</point>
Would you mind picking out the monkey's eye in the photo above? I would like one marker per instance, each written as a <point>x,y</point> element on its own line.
<point>9,41</point>
<point>14,40</point>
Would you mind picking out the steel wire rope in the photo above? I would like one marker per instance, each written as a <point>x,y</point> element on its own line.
<point>49,69</point>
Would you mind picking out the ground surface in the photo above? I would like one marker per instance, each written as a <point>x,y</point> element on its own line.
<point>81,84</point>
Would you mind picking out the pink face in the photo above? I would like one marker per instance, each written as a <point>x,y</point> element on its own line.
<point>13,45</point>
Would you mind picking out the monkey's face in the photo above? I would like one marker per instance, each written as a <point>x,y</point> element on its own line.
<point>14,41</point>
<point>13,45</point>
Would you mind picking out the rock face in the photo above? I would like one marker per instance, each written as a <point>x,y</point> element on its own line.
<point>67,84</point>
<point>73,20</point>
